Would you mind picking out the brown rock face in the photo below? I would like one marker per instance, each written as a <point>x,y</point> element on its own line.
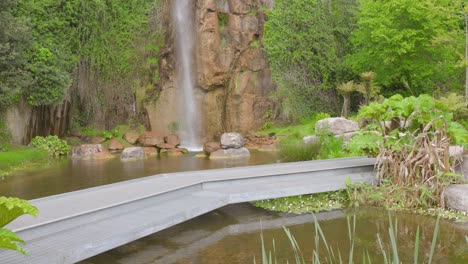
<point>114,144</point>
<point>165,146</point>
<point>131,137</point>
<point>172,139</point>
<point>210,147</point>
<point>151,139</point>
<point>98,140</point>
<point>233,81</point>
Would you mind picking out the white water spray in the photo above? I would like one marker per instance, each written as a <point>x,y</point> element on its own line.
<point>189,115</point>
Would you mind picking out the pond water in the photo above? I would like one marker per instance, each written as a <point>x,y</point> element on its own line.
<point>232,235</point>
<point>57,176</point>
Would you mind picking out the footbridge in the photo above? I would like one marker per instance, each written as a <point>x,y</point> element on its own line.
<point>74,226</point>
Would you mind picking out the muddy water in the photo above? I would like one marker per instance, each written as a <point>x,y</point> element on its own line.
<point>232,235</point>
<point>65,175</point>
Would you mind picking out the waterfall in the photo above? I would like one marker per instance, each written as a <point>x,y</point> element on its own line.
<point>189,113</point>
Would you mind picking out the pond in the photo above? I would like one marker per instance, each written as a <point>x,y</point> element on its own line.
<point>232,235</point>
<point>57,176</point>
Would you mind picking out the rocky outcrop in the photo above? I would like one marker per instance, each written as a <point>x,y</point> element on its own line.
<point>90,151</point>
<point>132,153</point>
<point>336,126</point>
<point>456,197</point>
<point>233,81</point>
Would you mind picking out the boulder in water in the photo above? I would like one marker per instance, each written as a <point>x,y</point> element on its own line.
<point>230,153</point>
<point>232,140</point>
<point>90,151</point>
<point>133,153</point>
<point>210,147</point>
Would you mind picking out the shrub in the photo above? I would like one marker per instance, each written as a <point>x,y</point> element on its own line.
<point>414,135</point>
<point>54,145</point>
<point>299,152</point>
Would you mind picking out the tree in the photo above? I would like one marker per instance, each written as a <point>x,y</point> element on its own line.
<point>305,41</point>
<point>14,41</point>
<point>412,46</point>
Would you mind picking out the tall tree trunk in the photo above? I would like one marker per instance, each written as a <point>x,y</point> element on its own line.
<point>346,104</point>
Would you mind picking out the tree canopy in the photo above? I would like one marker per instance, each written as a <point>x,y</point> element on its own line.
<point>413,46</point>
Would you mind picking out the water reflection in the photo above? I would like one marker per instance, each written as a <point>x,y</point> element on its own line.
<point>232,235</point>
<point>65,175</point>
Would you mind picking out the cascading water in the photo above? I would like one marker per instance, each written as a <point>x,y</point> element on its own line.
<point>189,113</point>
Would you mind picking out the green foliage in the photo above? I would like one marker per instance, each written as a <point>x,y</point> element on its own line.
<point>10,209</point>
<point>14,42</point>
<point>410,137</point>
<point>306,203</point>
<point>305,42</point>
<point>413,46</point>
<point>456,105</point>
<point>54,145</point>
<point>41,43</point>
<point>12,157</point>
<point>223,20</point>
<point>299,152</point>
<point>293,134</point>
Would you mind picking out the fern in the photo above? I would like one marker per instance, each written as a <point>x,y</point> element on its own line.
<point>10,209</point>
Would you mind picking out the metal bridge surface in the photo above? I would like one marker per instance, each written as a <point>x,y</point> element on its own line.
<point>74,226</point>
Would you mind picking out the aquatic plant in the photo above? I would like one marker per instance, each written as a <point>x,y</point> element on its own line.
<point>10,209</point>
<point>334,255</point>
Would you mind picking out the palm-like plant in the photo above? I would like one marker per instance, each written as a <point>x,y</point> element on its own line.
<point>345,89</point>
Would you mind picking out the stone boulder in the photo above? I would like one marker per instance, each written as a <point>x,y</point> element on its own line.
<point>313,139</point>
<point>114,144</point>
<point>210,147</point>
<point>133,153</point>
<point>232,140</point>
<point>336,125</point>
<point>131,137</point>
<point>230,153</point>
<point>456,197</point>
<point>150,151</point>
<point>165,146</point>
<point>97,140</point>
<point>90,151</point>
<point>151,139</point>
<point>346,137</point>
<point>174,152</point>
<point>172,139</point>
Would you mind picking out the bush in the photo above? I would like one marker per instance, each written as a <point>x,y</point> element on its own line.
<point>299,152</point>
<point>411,137</point>
<point>54,145</point>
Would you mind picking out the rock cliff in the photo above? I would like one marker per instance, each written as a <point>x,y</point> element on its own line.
<point>233,81</point>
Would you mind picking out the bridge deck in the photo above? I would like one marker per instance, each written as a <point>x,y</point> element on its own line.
<point>74,226</point>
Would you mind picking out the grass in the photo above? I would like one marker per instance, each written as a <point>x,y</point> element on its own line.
<point>334,255</point>
<point>293,134</point>
<point>16,156</point>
